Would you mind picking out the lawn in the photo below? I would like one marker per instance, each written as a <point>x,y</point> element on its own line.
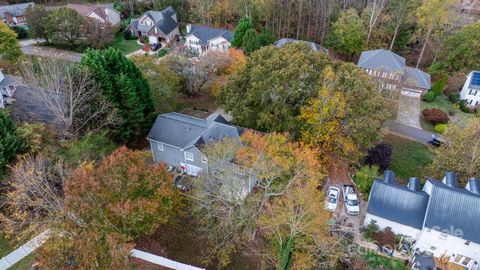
<point>409,158</point>
<point>126,46</point>
<point>6,247</point>
<point>444,104</point>
<point>375,261</point>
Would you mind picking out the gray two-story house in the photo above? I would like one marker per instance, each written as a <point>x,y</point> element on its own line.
<point>176,139</point>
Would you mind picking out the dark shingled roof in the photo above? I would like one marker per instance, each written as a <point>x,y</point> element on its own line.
<point>284,41</point>
<point>163,21</point>
<point>183,131</point>
<point>397,203</point>
<point>455,208</point>
<point>205,33</point>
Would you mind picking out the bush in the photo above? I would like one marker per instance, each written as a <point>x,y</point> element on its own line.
<point>364,178</point>
<point>463,106</point>
<point>440,128</point>
<point>380,155</point>
<point>454,97</point>
<point>370,230</point>
<point>435,116</point>
<point>429,97</point>
<point>21,32</point>
<point>439,85</point>
<point>127,35</point>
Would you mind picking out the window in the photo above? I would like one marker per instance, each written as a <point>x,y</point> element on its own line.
<point>188,156</point>
<point>160,146</point>
<point>433,248</point>
<point>204,159</point>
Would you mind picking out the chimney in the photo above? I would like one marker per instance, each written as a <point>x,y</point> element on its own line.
<point>450,179</point>
<point>414,184</point>
<point>389,177</point>
<point>189,27</point>
<point>473,185</point>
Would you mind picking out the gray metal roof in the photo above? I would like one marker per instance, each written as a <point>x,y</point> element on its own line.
<point>454,210</point>
<point>183,131</point>
<point>398,203</point>
<point>384,60</point>
<point>205,33</point>
<point>15,10</point>
<point>163,21</point>
<point>416,77</point>
<point>284,41</point>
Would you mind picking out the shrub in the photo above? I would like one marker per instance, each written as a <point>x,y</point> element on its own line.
<point>429,97</point>
<point>435,116</point>
<point>440,128</point>
<point>370,230</point>
<point>379,155</point>
<point>463,106</point>
<point>439,85</point>
<point>127,35</point>
<point>364,178</point>
<point>21,32</point>
<point>454,97</point>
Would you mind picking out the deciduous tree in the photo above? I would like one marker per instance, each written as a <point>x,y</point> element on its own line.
<point>9,47</point>
<point>63,26</point>
<point>348,33</point>
<point>96,33</point>
<point>36,18</point>
<point>379,155</point>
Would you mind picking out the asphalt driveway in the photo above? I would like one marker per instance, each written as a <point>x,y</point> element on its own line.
<point>409,111</point>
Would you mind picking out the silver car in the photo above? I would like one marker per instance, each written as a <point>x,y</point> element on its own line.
<point>332,199</point>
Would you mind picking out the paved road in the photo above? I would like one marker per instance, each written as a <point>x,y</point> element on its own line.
<point>415,134</point>
<point>29,48</point>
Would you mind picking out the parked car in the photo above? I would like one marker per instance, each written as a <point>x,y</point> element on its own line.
<point>332,199</point>
<point>352,205</point>
<point>156,47</point>
<point>436,141</point>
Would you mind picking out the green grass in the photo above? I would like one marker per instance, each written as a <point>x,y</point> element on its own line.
<point>444,104</point>
<point>409,158</point>
<point>126,46</point>
<point>6,247</point>
<point>162,53</point>
<point>375,261</point>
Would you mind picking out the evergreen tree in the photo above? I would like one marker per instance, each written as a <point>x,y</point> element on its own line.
<point>124,86</point>
<point>250,42</point>
<point>242,27</point>
<point>266,37</point>
<point>10,143</point>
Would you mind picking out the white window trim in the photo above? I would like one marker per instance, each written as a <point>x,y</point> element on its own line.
<point>187,154</point>
<point>160,146</point>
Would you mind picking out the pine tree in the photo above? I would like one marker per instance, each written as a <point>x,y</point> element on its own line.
<point>243,26</point>
<point>10,143</point>
<point>250,41</point>
<point>124,86</point>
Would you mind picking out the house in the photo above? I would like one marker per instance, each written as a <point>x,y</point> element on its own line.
<point>282,42</point>
<point>104,14</point>
<point>200,39</point>
<point>471,89</point>
<point>389,70</point>
<point>158,26</point>
<point>13,15</point>
<point>442,218</point>
<point>7,89</point>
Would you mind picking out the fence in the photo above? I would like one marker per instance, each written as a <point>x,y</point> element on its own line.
<point>23,251</point>
<point>162,261</point>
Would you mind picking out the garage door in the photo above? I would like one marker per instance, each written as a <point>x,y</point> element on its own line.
<point>411,92</point>
<point>193,170</point>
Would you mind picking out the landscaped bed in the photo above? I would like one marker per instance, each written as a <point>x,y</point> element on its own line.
<point>444,104</point>
<point>375,261</point>
<point>409,158</point>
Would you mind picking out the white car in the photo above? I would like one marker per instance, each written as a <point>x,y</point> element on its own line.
<point>332,199</point>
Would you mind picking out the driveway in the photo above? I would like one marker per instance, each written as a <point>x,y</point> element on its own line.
<point>29,47</point>
<point>409,111</point>
<point>415,134</point>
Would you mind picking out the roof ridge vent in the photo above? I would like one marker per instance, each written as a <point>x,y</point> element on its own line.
<point>414,184</point>
<point>389,176</point>
<point>473,185</point>
<point>450,179</point>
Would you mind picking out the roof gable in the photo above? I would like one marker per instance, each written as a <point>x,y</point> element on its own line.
<point>417,78</point>
<point>284,41</point>
<point>205,33</point>
<point>15,10</point>
<point>384,60</point>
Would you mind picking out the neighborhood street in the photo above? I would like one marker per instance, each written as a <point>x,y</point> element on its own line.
<point>29,48</point>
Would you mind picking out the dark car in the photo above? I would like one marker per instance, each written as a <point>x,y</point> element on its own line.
<point>436,141</point>
<point>156,46</point>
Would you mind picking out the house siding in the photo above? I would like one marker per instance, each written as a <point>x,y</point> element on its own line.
<point>170,155</point>
<point>197,158</point>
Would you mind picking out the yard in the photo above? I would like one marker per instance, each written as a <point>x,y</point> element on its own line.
<point>126,46</point>
<point>409,158</point>
<point>375,261</point>
<point>444,104</point>
<point>6,247</point>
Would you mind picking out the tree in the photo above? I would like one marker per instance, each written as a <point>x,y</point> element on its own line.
<point>461,50</point>
<point>266,37</point>
<point>63,26</point>
<point>374,9</point>
<point>267,93</point>
<point>380,155</point>
<point>97,34</point>
<point>95,212</point>
<point>250,41</point>
<point>400,10</point>
<point>364,178</point>
<point>243,26</point>
<point>435,17</point>
<point>36,18</point>
<point>9,48</point>
<point>10,142</point>
<point>72,99</point>
<point>164,82</point>
<point>296,226</point>
<point>435,116</point>
<point>460,154</point>
<point>439,86</point>
<point>20,31</point>
<point>348,33</point>
<point>123,85</point>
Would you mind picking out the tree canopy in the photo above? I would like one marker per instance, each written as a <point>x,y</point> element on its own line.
<point>348,34</point>
<point>124,86</point>
<point>243,26</point>
<point>10,143</point>
<point>63,26</point>
<point>9,47</point>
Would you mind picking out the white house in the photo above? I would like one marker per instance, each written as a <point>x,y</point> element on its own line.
<point>158,26</point>
<point>200,39</point>
<point>471,89</point>
<point>104,14</point>
<point>442,218</point>
<point>7,89</point>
